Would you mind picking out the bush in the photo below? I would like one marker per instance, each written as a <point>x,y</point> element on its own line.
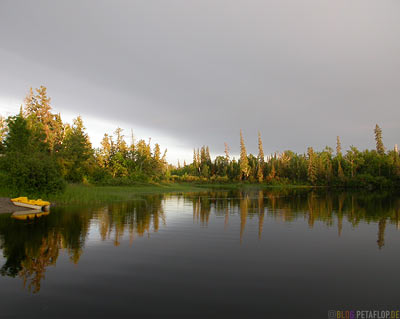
<point>369,182</point>
<point>34,174</point>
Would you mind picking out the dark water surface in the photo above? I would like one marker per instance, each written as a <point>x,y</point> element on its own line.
<point>223,254</point>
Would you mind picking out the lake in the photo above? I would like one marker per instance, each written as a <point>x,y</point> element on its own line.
<point>237,254</point>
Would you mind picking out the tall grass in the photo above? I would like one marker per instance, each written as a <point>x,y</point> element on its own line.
<point>79,194</point>
<point>82,194</point>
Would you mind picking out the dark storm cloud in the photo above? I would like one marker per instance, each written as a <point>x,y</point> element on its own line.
<point>301,72</point>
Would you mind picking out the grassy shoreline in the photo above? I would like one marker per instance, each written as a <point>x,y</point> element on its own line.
<point>79,194</point>
<point>84,194</point>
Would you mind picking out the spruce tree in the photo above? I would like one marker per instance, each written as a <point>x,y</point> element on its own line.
<point>380,148</point>
<point>195,163</point>
<point>76,153</point>
<point>38,112</point>
<point>120,144</point>
<point>208,156</point>
<point>260,150</point>
<point>244,163</point>
<point>311,171</point>
<point>338,147</point>
<point>226,152</point>
<point>260,160</point>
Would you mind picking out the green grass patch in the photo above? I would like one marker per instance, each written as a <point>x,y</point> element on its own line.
<point>83,194</point>
<point>79,194</point>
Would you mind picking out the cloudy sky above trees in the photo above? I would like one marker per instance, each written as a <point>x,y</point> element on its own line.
<point>189,73</point>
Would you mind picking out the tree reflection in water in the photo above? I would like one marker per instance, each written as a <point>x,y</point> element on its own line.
<point>29,247</point>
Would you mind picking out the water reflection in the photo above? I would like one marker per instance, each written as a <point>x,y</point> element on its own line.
<point>30,247</point>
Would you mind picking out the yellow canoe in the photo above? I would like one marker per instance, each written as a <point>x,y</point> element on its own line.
<point>31,203</point>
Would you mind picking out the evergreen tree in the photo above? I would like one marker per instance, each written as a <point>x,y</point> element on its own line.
<point>104,156</point>
<point>120,143</point>
<point>208,156</point>
<point>38,112</point>
<point>260,150</point>
<point>244,163</point>
<point>76,153</point>
<point>132,146</point>
<point>311,172</point>
<point>226,152</point>
<point>196,164</point>
<point>338,147</point>
<point>378,138</point>
<point>260,158</point>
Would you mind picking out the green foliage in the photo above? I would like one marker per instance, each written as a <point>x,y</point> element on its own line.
<point>38,151</point>
<point>31,174</point>
<point>27,167</point>
<point>378,139</point>
<point>76,154</point>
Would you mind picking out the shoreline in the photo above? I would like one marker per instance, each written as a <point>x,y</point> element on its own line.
<point>7,206</point>
<point>81,194</point>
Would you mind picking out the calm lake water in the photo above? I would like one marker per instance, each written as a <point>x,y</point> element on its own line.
<point>235,254</point>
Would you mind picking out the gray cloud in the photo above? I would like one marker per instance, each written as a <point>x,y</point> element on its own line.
<point>301,72</point>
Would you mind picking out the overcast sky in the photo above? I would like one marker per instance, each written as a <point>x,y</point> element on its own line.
<point>189,73</point>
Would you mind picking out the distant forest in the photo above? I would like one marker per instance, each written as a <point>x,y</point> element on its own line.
<point>39,154</point>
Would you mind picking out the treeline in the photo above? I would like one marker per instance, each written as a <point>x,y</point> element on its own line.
<point>39,153</point>
<point>353,168</point>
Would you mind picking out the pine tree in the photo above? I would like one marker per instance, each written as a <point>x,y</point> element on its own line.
<point>208,157</point>
<point>38,111</point>
<point>244,163</point>
<point>30,103</point>
<point>104,156</point>
<point>226,152</point>
<point>260,166</point>
<point>195,163</point>
<point>380,148</point>
<point>203,156</point>
<point>311,171</point>
<point>76,152</point>
<point>58,133</point>
<point>338,147</point>
<point>120,143</point>
<point>132,146</point>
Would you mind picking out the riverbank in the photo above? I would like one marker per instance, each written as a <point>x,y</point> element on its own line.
<point>84,194</point>
<point>90,194</point>
<point>7,206</point>
<point>78,194</point>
